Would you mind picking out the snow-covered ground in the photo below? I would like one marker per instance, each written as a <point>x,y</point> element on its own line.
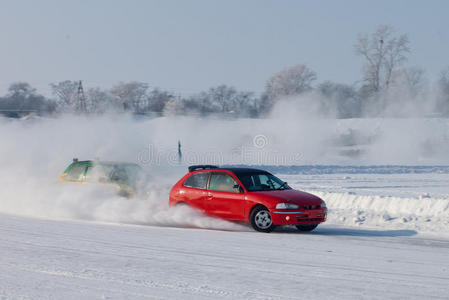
<point>359,253</point>
<point>387,235</point>
<point>45,259</point>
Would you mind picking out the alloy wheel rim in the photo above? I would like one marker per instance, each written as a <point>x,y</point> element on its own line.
<point>263,219</point>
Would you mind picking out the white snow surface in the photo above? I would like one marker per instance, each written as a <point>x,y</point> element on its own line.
<point>47,259</point>
<point>372,246</point>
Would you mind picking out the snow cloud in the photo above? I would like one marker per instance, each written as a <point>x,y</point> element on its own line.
<point>34,152</point>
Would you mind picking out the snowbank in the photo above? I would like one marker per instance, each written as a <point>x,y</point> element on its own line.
<point>423,214</point>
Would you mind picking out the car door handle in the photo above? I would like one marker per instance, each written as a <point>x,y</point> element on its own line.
<point>209,196</point>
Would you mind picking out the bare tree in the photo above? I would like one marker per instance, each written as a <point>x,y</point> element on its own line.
<point>341,97</point>
<point>157,99</point>
<point>246,104</point>
<point>290,81</point>
<point>413,78</point>
<point>383,51</point>
<point>100,101</point>
<point>444,80</point>
<point>66,93</point>
<point>131,94</point>
<point>174,107</point>
<point>21,90</point>
<point>23,99</point>
<point>224,97</point>
<point>200,103</point>
<point>443,86</point>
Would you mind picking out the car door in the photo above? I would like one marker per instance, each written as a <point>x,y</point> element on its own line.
<point>224,197</point>
<point>193,191</point>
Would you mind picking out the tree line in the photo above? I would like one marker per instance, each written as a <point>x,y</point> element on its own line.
<point>387,88</point>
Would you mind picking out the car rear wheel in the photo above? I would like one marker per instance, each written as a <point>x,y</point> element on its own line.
<point>306,227</point>
<point>261,219</point>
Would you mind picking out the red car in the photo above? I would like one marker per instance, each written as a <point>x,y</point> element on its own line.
<point>248,195</point>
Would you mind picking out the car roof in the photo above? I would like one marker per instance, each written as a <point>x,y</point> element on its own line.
<point>103,163</point>
<point>239,171</point>
<point>115,163</point>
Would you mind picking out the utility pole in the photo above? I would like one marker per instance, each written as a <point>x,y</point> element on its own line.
<point>81,99</point>
<point>179,153</point>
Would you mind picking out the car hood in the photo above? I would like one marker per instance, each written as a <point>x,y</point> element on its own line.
<point>292,196</point>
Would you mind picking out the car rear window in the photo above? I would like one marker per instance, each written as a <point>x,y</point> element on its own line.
<point>198,180</point>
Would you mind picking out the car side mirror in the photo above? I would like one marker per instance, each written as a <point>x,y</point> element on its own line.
<point>239,188</point>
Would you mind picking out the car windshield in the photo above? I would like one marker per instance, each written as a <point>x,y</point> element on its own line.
<point>255,182</point>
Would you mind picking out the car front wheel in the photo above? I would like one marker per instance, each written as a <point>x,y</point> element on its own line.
<point>261,219</point>
<point>306,227</point>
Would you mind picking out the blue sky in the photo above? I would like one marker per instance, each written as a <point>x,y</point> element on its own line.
<point>189,46</point>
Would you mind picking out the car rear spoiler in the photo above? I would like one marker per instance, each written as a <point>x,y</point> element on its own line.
<point>202,167</point>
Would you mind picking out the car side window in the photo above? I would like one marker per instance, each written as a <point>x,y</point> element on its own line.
<point>265,180</point>
<point>118,174</point>
<point>90,173</point>
<point>76,173</point>
<point>223,182</point>
<point>95,174</point>
<point>198,180</point>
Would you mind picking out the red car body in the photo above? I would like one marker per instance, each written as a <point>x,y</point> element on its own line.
<point>239,202</point>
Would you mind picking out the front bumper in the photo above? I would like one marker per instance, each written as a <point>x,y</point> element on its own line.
<point>298,216</point>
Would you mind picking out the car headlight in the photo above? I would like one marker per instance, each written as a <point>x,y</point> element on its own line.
<point>286,206</point>
<point>323,204</point>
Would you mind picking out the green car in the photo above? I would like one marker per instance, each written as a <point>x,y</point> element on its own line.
<point>126,176</point>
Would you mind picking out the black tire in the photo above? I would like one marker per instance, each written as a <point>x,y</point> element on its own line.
<point>260,219</point>
<point>306,227</point>
<point>124,193</point>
